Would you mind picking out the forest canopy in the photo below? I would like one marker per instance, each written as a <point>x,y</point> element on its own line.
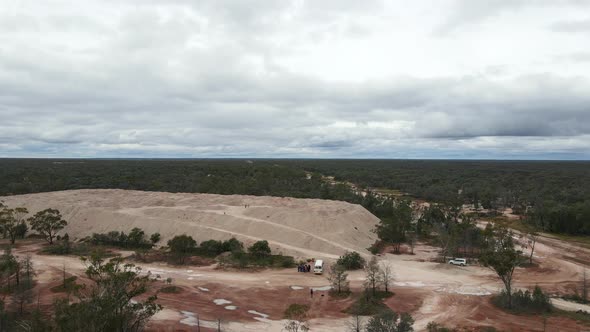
<point>554,194</point>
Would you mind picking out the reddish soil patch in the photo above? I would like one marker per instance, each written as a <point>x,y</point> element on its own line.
<point>473,312</point>
<point>406,300</point>
<point>271,301</point>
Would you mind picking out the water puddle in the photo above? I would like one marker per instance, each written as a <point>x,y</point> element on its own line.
<point>296,287</point>
<point>191,319</point>
<point>221,301</point>
<point>254,312</point>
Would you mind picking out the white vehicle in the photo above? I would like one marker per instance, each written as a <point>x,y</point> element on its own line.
<point>458,261</point>
<point>318,267</point>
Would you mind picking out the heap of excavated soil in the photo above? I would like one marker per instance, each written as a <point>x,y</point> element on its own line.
<point>300,227</point>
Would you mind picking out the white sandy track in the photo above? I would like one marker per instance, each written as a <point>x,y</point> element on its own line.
<point>300,227</point>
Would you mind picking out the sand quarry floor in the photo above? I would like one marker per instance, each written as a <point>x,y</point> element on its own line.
<point>256,300</point>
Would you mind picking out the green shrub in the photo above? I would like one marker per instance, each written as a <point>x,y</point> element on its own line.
<point>212,248</point>
<point>244,260</point>
<point>351,261</point>
<point>182,246</point>
<point>260,248</point>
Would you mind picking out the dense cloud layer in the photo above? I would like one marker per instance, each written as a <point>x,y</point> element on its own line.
<point>180,78</point>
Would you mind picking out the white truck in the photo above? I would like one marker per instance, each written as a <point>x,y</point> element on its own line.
<point>458,261</point>
<point>318,267</point>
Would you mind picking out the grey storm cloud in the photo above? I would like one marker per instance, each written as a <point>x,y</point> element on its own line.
<point>250,79</point>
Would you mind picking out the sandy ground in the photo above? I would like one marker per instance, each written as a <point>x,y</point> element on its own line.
<point>255,301</point>
<point>299,227</point>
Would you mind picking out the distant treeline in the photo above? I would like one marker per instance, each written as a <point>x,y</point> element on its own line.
<point>22,176</point>
<point>555,195</point>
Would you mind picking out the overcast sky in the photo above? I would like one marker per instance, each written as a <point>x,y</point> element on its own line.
<point>506,79</point>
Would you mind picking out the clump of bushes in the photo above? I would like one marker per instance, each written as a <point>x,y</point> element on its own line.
<point>214,248</point>
<point>244,260</point>
<point>351,261</point>
<point>63,246</point>
<point>135,239</point>
<point>525,301</point>
<point>259,254</point>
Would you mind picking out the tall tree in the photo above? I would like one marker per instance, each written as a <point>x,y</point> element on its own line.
<point>386,275</point>
<point>531,241</point>
<point>338,278</point>
<point>372,275</point>
<point>48,223</point>
<point>181,246</point>
<point>502,258</point>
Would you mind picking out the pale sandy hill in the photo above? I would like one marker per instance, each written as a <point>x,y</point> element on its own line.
<point>300,227</point>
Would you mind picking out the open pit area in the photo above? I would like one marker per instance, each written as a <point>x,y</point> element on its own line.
<point>256,300</point>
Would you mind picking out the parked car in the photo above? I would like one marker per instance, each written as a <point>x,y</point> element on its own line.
<point>458,261</point>
<point>318,267</point>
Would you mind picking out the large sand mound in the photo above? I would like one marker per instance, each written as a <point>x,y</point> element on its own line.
<point>300,227</point>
